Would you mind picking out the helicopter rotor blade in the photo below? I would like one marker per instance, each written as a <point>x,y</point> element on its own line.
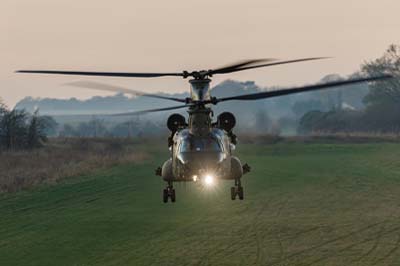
<point>151,110</point>
<point>103,74</point>
<point>270,94</point>
<point>271,64</point>
<point>243,63</point>
<point>107,87</point>
<point>240,66</point>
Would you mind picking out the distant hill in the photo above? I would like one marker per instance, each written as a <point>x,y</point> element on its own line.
<point>97,104</point>
<point>66,110</point>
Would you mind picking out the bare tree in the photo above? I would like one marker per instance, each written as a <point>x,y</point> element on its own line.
<point>3,107</point>
<point>36,131</point>
<point>13,129</point>
<point>387,91</point>
<point>19,130</point>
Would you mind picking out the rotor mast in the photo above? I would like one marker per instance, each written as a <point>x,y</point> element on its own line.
<point>199,114</point>
<point>200,89</point>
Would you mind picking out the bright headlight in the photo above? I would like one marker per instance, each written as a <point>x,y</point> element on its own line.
<point>209,180</point>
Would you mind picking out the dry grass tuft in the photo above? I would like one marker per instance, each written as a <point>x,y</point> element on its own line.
<point>62,158</point>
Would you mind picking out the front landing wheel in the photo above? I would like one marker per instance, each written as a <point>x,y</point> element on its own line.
<point>165,195</point>
<point>240,193</point>
<point>172,195</point>
<point>169,193</point>
<point>233,193</point>
<point>237,190</point>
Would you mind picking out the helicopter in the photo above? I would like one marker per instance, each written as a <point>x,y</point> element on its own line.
<point>202,150</point>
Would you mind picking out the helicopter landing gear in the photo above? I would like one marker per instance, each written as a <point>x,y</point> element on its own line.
<point>237,190</point>
<point>169,193</point>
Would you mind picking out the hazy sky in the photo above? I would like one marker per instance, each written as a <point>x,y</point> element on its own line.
<point>173,35</point>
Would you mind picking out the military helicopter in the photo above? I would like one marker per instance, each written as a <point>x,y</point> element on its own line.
<point>202,149</point>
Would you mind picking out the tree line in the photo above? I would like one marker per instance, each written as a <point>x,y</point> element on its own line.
<point>381,112</point>
<point>97,127</point>
<point>21,130</point>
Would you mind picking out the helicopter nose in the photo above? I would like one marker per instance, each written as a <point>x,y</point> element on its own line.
<point>205,159</point>
<point>199,163</point>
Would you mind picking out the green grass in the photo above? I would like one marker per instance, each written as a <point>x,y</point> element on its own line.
<point>305,204</point>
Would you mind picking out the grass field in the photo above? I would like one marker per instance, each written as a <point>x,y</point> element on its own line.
<point>305,204</point>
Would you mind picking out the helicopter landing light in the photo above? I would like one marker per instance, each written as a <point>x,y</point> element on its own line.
<point>209,180</point>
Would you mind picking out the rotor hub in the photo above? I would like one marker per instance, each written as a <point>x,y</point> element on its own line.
<point>200,89</point>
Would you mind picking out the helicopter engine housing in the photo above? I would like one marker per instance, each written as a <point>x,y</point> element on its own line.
<point>226,121</point>
<point>175,121</point>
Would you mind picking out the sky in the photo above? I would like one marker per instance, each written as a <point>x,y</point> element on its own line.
<point>176,35</point>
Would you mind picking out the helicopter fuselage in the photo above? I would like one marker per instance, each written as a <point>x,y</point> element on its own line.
<point>194,158</point>
<point>201,151</point>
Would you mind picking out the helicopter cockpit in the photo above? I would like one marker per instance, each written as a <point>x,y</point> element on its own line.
<point>201,151</point>
<point>195,144</point>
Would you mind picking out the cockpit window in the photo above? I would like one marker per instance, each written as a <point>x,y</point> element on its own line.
<point>199,144</point>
